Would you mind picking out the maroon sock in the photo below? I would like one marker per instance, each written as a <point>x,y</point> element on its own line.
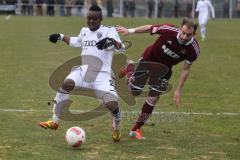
<point>146,111</point>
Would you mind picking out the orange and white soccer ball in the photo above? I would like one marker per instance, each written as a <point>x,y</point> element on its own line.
<point>75,136</point>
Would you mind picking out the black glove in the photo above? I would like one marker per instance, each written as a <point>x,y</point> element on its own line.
<point>54,38</point>
<point>105,43</point>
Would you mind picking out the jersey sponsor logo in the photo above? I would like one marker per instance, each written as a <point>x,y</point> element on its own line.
<point>89,43</point>
<point>169,52</point>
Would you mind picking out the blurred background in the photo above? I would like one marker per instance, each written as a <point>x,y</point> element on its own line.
<point>117,8</point>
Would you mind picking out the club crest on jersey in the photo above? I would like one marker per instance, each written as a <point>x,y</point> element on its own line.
<point>183,51</point>
<point>99,35</point>
<point>169,42</point>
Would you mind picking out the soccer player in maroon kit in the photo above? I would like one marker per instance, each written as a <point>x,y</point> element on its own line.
<point>173,46</point>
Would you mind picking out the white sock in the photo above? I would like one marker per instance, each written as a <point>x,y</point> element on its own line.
<point>203,31</point>
<point>116,118</point>
<point>58,108</point>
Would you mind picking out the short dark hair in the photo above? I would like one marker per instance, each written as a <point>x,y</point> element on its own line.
<point>190,23</point>
<point>95,8</point>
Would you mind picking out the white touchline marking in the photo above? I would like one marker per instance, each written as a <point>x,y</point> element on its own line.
<point>132,112</point>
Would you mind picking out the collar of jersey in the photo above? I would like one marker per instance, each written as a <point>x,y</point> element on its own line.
<point>97,29</point>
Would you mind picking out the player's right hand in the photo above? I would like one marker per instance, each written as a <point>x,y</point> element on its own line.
<point>54,38</point>
<point>122,30</point>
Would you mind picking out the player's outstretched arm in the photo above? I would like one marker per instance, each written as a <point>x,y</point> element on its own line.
<point>141,29</point>
<point>183,77</point>
<point>58,36</point>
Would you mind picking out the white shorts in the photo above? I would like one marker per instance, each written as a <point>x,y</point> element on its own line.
<point>101,83</point>
<point>203,19</point>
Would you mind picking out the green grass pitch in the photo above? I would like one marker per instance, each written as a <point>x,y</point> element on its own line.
<point>27,59</point>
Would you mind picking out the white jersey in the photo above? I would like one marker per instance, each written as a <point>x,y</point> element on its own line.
<point>97,60</point>
<point>202,8</point>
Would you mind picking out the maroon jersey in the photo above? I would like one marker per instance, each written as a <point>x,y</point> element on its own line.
<point>167,49</point>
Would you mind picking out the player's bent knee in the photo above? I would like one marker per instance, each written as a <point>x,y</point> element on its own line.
<point>68,85</point>
<point>111,105</point>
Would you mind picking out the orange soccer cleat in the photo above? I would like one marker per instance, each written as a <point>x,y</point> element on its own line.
<point>49,124</point>
<point>136,134</point>
<point>126,70</point>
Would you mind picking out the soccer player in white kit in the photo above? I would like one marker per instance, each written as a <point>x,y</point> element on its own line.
<point>97,43</point>
<point>203,8</point>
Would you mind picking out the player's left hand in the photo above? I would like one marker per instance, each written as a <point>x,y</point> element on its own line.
<point>105,43</point>
<point>177,97</point>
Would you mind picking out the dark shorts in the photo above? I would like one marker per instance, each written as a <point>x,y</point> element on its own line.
<point>156,75</point>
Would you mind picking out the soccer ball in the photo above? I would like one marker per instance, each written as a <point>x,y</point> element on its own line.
<point>75,136</point>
